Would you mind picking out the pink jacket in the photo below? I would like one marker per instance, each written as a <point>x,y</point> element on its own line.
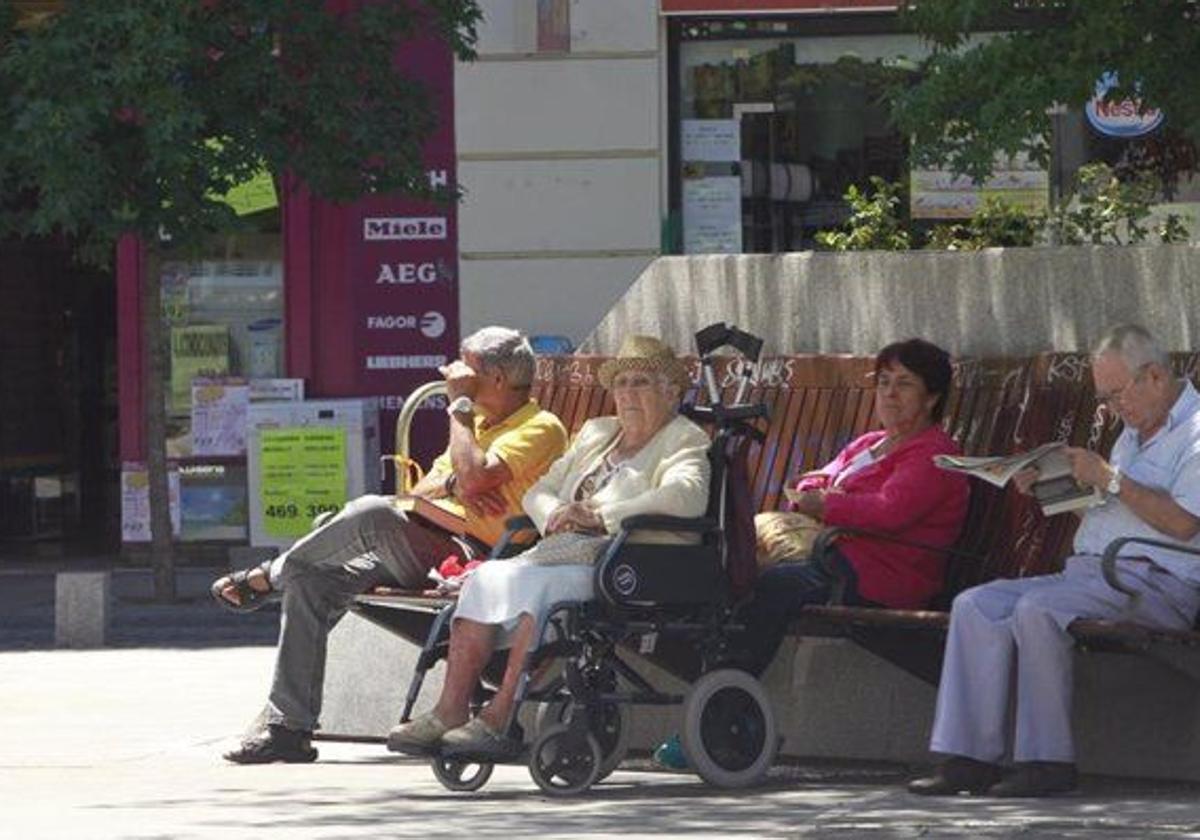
<point>902,494</point>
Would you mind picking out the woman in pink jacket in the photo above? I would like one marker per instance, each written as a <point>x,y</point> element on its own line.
<point>884,481</point>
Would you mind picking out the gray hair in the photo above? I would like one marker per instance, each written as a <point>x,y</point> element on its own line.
<point>1135,345</point>
<point>505,349</point>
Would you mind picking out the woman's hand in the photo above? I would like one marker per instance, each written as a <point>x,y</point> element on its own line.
<point>811,503</point>
<point>579,517</point>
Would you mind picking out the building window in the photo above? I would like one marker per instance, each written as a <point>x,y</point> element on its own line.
<point>775,125</point>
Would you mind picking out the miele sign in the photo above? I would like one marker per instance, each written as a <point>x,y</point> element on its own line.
<point>404,228</point>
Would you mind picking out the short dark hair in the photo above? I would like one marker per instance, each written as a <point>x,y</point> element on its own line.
<point>926,360</point>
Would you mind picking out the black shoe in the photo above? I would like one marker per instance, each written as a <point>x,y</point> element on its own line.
<point>1037,778</point>
<point>956,775</point>
<point>275,744</point>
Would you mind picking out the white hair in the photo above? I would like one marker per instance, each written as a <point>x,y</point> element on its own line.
<point>1135,345</point>
<point>505,349</point>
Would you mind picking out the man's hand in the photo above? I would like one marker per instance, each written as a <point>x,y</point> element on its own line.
<point>1088,467</point>
<point>1024,479</point>
<point>580,517</point>
<point>486,503</point>
<point>461,379</point>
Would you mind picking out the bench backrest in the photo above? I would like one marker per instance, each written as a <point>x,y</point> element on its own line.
<point>819,403</point>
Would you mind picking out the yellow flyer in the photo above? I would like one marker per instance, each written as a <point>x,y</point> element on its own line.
<point>303,475</point>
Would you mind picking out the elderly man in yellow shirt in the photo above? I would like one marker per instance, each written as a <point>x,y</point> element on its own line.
<point>501,442</point>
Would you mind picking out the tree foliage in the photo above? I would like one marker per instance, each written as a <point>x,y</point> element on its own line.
<point>110,109</point>
<point>998,66</point>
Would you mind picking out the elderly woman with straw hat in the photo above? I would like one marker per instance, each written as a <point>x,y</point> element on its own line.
<point>645,459</point>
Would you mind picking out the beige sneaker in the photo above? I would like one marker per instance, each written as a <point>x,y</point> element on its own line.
<point>475,739</point>
<point>420,736</point>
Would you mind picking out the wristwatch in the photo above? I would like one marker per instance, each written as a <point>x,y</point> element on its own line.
<point>1113,488</point>
<point>461,405</point>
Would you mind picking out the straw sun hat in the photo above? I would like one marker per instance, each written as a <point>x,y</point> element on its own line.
<point>644,352</point>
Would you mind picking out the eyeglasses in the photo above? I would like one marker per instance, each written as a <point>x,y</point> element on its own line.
<point>1113,397</point>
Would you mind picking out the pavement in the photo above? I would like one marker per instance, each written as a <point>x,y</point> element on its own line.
<point>125,742</point>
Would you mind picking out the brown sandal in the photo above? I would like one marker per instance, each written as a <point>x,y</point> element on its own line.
<point>248,598</point>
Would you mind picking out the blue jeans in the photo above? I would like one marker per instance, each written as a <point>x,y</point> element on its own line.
<point>779,595</point>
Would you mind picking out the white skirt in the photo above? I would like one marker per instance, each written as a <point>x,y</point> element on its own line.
<point>501,591</point>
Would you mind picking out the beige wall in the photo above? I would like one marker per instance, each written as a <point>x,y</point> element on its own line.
<point>559,157</point>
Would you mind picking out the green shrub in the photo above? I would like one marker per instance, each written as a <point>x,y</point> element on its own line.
<point>995,224</point>
<point>1108,210</point>
<point>875,222</point>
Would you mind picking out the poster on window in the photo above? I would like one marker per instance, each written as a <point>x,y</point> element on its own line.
<point>135,502</point>
<point>219,416</point>
<point>711,141</point>
<point>1018,181</point>
<point>712,215</point>
<point>201,350</point>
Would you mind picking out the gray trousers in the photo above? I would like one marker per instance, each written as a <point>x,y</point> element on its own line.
<point>1016,630</point>
<point>369,543</point>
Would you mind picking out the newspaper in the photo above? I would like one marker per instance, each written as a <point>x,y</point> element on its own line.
<point>1055,489</point>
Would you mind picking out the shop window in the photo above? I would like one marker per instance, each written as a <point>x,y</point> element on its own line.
<point>224,327</point>
<point>797,121</point>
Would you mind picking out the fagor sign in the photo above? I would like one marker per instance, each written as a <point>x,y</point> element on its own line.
<point>431,324</point>
<point>409,228</point>
<point>1120,117</point>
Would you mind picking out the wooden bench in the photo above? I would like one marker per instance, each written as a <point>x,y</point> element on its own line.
<point>820,403</point>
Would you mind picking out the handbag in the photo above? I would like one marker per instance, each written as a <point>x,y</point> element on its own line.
<point>566,548</point>
<point>784,535</point>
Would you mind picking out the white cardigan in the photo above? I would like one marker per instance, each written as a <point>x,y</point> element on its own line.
<point>669,475</point>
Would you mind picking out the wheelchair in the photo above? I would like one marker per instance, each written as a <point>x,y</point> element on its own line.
<point>672,604</point>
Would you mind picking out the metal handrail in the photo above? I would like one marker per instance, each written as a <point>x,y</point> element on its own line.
<point>406,467</point>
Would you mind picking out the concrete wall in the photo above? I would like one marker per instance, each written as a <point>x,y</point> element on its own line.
<point>559,155</point>
<point>1134,716</point>
<point>994,302</point>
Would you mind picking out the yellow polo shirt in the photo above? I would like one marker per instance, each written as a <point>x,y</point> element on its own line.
<point>528,441</point>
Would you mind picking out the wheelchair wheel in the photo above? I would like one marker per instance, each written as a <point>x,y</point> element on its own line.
<point>612,726</point>
<point>563,762</point>
<point>463,776</point>
<point>729,729</point>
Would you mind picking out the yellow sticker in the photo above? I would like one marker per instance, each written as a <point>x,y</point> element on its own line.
<point>303,474</point>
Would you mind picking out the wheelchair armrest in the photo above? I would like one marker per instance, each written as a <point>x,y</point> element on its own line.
<point>824,542</point>
<point>663,522</point>
<point>518,523</point>
<point>1108,560</point>
<point>505,546</point>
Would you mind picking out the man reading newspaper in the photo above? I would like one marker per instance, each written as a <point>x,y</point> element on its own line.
<point>1008,639</point>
